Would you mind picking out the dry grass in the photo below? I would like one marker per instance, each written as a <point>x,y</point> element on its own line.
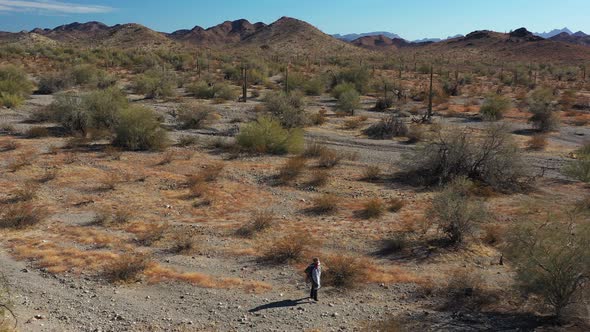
<point>109,181</point>
<point>343,271</point>
<point>537,142</point>
<point>10,145</point>
<point>395,204</point>
<point>37,132</point>
<point>292,168</point>
<point>261,221</point>
<point>354,123</point>
<point>184,242</point>
<point>48,175</point>
<point>25,192</point>
<point>325,204</point>
<point>20,161</point>
<point>21,215</point>
<point>289,248</point>
<point>372,173</point>
<point>126,268</point>
<point>150,234</point>
<point>319,178</point>
<point>373,208</point>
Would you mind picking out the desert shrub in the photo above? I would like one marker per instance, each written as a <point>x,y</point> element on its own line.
<point>371,173</point>
<point>319,178</point>
<point>20,161</point>
<point>201,90</point>
<point>357,76</point>
<point>325,204</point>
<point>25,192</point>
<point>395,204</point>
<point>494,107</point>
<point>155,83</point>
<point>54,82</point>
<point>537,142</point>
<point>289,248</point>
<point>314,87</point>
<point>8,146</point>
<point>354,122</point>
<point>329,158</point>
<point>37,132</point>
<point>139,129</point>
<point>579,168</point>
<point>14,86</point>
<point>393,244</point>
<point>225,92</point>
<point>415,134</point>
<point>339,89</point>
<point>491,158</point>
<point>126,268</point>
<point>288,109</point>
<point>68,110</point>
<point>543,107</point>
<point>292,168</point>
<point>383,104</point>
<point>266,135</point>
<point>551,260</point>
<point>314,149</point>
<point>343,271</point>
<point>318,119</point>
<point>387,128</point>
<point>261,221</point>
<point>183,242</point>
<point>21,215</point>
<point>455,212</point>
<point>348,101</point>
<point>104,107</point>
<point>373,208</point>
<point>187,140</point>
<point>195,116</point>
<point>151,235</point>
<point>197,189</point>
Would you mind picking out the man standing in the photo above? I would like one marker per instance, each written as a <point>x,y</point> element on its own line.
<point>313,273</point>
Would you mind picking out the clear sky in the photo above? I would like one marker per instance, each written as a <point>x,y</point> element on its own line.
<point>411,19</point>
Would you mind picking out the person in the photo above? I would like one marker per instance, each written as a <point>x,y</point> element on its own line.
<point>314,273</point>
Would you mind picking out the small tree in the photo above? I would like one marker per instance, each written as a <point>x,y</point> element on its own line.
<point>543,107</point>
<point>455,212</point>
<point>348,101</point>
<point>552,260</point>
<point>494,107</point>
<point>138,129</point>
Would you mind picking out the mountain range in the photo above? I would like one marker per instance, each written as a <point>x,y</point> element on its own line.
<point>291,37</point>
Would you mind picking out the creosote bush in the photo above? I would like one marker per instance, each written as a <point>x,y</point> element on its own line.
<point>348,101</point>
<point>325,204</point>
<point>292,168</point>
<point>491,158</point>
<point>373,208</point>
<point>494,107</point>
<point>156,83</point>
<point>266,135</point>
<point>343,271</point>
<point>139,129</point>
<point>14,86</point>
<point>195,116</point>
<point>552,260</point>
<point>544,108</point>
<point>455,212</point>
<point>287,108</point>
<point>261,221</point>
<point>289,248</point>
<point>387,128</point>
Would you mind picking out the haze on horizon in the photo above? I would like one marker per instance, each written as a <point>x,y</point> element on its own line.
<point>415,20</point>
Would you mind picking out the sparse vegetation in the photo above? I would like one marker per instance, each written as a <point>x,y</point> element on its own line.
<point>388,128</point>
<point>14,86</point>
<point>286,249</point>
<point>494,107</point>
<point>138,129</point>
<point>544,109</point>
<point>268,136</point>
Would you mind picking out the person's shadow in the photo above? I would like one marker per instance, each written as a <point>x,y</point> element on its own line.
<point>279,304</point>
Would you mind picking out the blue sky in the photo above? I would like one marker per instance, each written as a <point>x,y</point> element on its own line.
<point>411,19</point>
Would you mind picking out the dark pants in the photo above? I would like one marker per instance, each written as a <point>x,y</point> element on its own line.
<point>314,291</point>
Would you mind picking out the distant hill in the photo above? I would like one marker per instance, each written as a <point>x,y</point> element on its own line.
<point>578,38</point>
<point>380,42</point>
<point>224,33</point>
<point>352,36</point>
<point>291,36</point>
<point>553,32</point>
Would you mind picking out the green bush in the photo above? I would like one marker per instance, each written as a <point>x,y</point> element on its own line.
<point>194,116</point>
<point>139,129</point>
<point>204,90</point>
<point>579,169</point>
<point>455,212</point>
<point>348,101</point>
<point>104,107</point>
<point>54,82</point>
<point>358,76</point>
<point>288,109</point>
<point>543,106</point>
<point>552,260</point>
<point>266,135</point>
<point>14,86</point>
<point>156,83</point>
<point>314,87</point>
<point>341,88</point>
<point>68,109</point>
<point>494,107</point>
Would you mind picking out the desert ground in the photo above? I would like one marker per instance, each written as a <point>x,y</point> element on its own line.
<point>204,230</point>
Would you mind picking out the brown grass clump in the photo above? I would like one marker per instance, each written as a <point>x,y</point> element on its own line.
<point>122,216</point>
<point>372,173</point>
<point>109,181</point>
<point>8,146</point>
<point>289,248</point>
<point>126,268</point>
<point>25,193</point>
<point>167,158</point>
<point>395,204</point>
<point>37,132</point>
<point>314,150</point>
<point>319,178</point>
<point>325,204</point>
<point>197,189</point>
<point>373,208</point>
<point>343,271</point>
<point>21,215</point>
<point>292,168</point>
<point>208,173</point>
<point>261,221</point>
<point>354,123</point>
<point>20,161</point>
<point>151,234</point>
<point>329,158</point>
<point>157,273</point>
<point>48,175</point>
<point>183,242</point>
<point>537,142</point>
